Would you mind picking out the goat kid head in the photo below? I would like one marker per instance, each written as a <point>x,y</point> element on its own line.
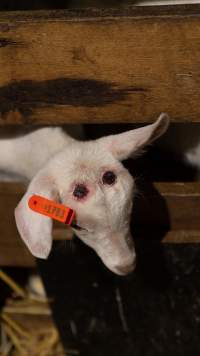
<point>89,178</point>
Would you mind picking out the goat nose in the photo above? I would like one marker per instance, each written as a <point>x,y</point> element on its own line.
<point>123,270</point>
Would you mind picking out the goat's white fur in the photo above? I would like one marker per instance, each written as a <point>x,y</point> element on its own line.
<point>55,163</point>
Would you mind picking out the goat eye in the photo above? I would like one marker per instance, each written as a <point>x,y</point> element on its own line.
<point>109,178</point>
<point>80,191</point>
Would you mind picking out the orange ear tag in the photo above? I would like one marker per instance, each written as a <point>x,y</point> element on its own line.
<point>52,209</point>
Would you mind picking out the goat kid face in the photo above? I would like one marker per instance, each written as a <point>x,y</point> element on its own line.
<point>89,178</point>
<point>100,191</point>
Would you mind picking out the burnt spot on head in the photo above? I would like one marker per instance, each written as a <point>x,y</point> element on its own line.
<point>80,191</point>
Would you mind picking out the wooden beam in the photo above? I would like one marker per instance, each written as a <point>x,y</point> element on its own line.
<point>95,66</point>
<point>173,206</point>
<point>168,212</point>
<point>182,236</point>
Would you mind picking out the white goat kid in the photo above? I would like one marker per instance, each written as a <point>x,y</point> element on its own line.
<point>86,176</point>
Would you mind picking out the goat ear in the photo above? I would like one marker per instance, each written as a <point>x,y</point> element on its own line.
<point>36,229</point>
<point>132,142</point>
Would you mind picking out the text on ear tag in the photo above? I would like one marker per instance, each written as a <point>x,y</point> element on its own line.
<point>52,209</point>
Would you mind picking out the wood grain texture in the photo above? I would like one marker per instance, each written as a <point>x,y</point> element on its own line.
<point>172,206</point>
<point>99,66</point>
<point>168,212</point>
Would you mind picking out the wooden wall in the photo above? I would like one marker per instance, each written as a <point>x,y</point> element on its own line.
<point>120,65</point>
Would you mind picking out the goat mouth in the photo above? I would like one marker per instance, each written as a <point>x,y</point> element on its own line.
<point>126,270</point>
<point>77,227</point>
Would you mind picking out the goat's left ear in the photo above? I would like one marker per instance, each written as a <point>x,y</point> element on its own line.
<point>36,229</point>
<point>132,142</point>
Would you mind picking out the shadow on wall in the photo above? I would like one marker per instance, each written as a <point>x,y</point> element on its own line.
<point>150,206</point>
<point>98,312</point>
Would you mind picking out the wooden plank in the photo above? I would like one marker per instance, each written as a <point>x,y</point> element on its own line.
<point>13,252</point>
<point>165,2</point>
<point>169,237</point>
<point>167,206</point>
<point>174,206</point>
<point>182,236</point>
<point>100,65</point>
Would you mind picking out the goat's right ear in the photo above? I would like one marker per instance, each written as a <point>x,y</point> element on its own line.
<point>36,229</point>
<point>131,143</point>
